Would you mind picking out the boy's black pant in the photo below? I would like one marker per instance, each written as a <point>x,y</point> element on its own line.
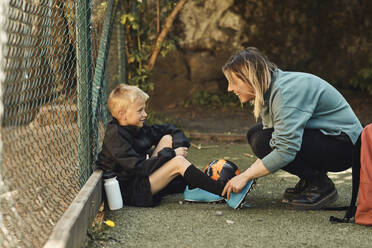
<point>319,153</point>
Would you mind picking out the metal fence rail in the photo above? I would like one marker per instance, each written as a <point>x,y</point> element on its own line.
<point>52,117</point>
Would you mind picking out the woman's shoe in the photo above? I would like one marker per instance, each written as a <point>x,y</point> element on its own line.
<point>236,199</point>
<point>290,193</point>
<point>316,195</point>
<point>200,195</point>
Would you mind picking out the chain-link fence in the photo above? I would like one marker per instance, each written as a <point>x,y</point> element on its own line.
<point>52,89</point>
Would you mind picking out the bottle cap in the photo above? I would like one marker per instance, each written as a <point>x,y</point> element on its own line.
<point>108,174</point>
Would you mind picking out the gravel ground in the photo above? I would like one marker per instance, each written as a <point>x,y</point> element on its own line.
<point>267,223</point>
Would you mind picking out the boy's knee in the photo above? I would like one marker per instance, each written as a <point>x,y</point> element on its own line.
<point>179,164</point>
<point>167,140</point>
<point>181,160</point>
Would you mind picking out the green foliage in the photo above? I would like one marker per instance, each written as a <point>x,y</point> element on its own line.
<point>363,79</point>
<point>215,99</point>
<point>158,118</point>
<point>139,21</point>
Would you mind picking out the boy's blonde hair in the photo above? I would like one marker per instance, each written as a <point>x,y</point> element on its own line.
<point>123,96</point>
<point>253,68</point>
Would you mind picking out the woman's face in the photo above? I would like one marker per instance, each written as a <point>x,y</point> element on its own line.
<point>242,89</point>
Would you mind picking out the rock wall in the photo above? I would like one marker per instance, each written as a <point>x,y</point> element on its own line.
<point>329,38</point>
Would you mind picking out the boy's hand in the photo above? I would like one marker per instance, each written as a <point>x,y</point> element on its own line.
<point>181,151</point>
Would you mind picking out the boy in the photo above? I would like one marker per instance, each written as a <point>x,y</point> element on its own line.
<point>144,177</point>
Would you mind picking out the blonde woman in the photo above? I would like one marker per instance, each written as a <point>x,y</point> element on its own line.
<point>307,129</point>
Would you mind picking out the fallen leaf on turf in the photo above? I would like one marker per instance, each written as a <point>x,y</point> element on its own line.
<point>229,222</point>
<point>110,223</point>
<point>199,146</point>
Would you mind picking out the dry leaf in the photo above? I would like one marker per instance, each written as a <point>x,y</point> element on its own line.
<point>229,222</point>
<point>248,155</point>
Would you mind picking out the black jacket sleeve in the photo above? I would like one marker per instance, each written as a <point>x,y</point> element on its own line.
<point>119,156</point>
<point>127,160</point>
<point>179,139</point>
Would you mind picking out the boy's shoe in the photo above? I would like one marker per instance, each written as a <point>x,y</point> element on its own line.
<point>316,195</point>
<point>290,193</point>
<point>236,199</point>
<point>200,195</point>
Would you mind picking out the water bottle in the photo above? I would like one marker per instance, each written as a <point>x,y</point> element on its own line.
<point>112,189</point>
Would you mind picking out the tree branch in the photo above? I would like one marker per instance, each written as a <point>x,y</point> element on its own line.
<point>164,32</point>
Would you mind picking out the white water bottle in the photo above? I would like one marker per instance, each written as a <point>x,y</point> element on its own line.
<point>112,189</point>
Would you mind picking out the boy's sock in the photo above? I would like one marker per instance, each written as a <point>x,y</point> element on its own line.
<point>196,178</point>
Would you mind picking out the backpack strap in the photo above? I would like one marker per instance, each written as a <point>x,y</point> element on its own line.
<point>350,213</point>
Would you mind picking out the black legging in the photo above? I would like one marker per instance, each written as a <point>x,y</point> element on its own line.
<point>319,153</point>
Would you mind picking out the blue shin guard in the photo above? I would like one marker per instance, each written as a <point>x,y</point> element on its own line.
<point>200,195</point>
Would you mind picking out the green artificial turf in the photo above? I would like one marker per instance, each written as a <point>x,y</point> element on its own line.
<point>268,223</point>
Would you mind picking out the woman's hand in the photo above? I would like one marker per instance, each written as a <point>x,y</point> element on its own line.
<point>236,184</point>
<point>181,151</point>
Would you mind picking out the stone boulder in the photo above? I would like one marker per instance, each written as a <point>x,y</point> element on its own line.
<point>328,38</point>
<point>210,25</point>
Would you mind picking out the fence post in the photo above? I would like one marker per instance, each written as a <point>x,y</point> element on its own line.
<point>84,79</point>
<point>123,74</point>
<point>104,45</point>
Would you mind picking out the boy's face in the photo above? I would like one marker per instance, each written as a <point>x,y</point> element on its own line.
<point>135,115</point>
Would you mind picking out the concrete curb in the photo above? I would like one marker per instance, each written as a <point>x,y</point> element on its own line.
<point>71,229</point>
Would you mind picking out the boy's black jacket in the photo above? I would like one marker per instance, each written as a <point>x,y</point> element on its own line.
<point>125,148</point>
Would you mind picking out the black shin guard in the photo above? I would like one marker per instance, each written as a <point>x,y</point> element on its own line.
<point>196,178</point>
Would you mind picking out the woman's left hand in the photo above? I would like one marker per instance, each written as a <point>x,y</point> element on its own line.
<point>236,184</point>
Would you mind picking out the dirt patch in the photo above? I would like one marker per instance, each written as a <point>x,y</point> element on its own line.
<point>210,120</point>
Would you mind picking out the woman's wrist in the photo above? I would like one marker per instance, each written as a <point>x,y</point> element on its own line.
<point>256,170</point>
<point>247,175</point>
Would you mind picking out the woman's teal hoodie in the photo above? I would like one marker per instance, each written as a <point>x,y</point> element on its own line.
<point>296,101</point>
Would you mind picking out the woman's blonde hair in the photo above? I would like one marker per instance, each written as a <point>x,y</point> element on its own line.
<point>123,96</point>
<point>252,67</point>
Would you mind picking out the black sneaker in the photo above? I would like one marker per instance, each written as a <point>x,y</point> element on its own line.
<point>316,195</point>
<point>289,193</point>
